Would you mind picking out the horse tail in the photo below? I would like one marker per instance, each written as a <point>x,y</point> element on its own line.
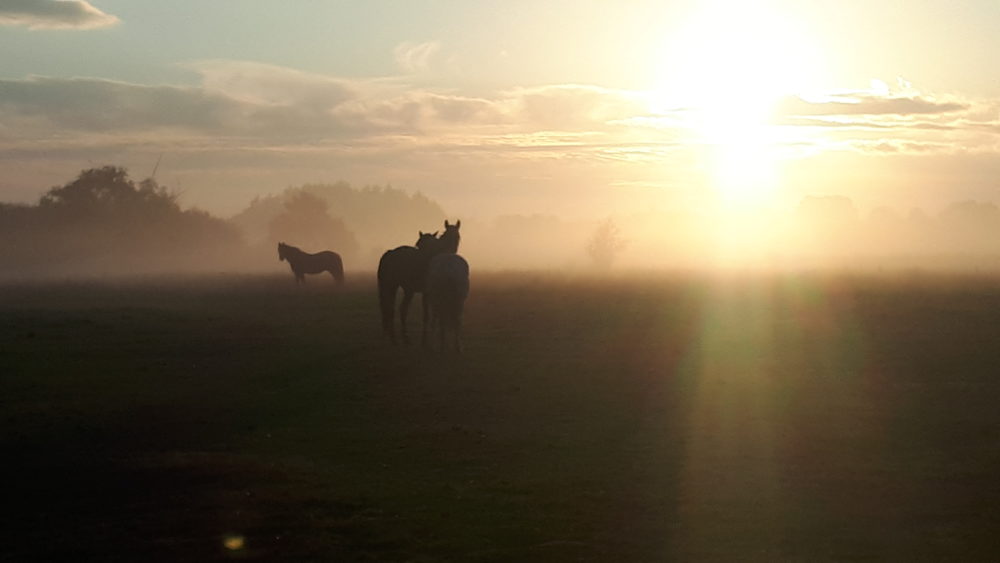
<point>338,269</point>
<point>386,295</point>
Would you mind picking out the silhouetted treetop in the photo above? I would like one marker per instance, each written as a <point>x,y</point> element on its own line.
<point>103,221</point>
<point>606,244</point>
<point>306,223</point>
<point>109,187</point>
<point>380,216</point>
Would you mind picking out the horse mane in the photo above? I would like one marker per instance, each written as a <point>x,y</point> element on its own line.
<point>289,247</point>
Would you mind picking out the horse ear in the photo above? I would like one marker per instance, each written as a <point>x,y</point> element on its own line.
<point>458,224</point>
<point>446,225</point>
<point>421,233</point>
<point>435,233</point>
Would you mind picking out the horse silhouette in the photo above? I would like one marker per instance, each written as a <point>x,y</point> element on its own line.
<point>447,287</point>
<point>406,267</point>
<point>403,267</point>
<point>303,263</point>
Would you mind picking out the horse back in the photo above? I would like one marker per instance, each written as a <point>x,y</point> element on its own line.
<point>448,275</point>
<point>402,266</point>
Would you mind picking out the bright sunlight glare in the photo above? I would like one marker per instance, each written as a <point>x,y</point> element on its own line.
<point>727,66</point>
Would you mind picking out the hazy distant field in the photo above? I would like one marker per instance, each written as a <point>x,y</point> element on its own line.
<point>768,418</point>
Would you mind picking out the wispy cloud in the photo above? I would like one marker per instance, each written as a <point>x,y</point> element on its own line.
<point>901,120</point>
<point>416,57</point>
<point>54,14</point>
<point>271,85</point>
<point>573,106</point>
<point>868,104</point>
<point>272,104</point>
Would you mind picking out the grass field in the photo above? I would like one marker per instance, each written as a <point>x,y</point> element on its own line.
<point>654,418</point>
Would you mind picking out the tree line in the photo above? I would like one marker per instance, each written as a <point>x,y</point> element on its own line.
<point>105,222</point>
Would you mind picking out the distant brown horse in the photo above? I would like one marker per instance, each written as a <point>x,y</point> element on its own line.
<point>303,263</point>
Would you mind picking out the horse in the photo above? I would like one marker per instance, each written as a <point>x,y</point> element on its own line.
<point>446,289</point>
<point>303,263</point>
<point>403,267</point>
<point>448,242</point>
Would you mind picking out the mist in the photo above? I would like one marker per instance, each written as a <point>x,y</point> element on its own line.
<point>105,223</point>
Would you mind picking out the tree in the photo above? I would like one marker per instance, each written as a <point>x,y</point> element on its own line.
<point>109,189</point>
<point>380,217</point>
<point>306,223</point>
<point>606,244</point>
<point>103,221</point>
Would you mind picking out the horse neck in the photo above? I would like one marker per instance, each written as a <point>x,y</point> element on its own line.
<point>448,245</point>
<point>427,254</point>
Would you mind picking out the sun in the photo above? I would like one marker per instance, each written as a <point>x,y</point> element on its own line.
<point>727,66</point>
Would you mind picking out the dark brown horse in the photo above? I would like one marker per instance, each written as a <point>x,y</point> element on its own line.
<point>403,267</point>
<point>303,263</point>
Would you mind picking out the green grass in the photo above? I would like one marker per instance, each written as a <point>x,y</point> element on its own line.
<point>651,418</point>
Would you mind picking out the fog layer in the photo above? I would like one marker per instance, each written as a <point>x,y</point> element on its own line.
<point>104,222</point>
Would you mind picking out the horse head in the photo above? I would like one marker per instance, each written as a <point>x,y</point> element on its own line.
<point>450,238</point>
<point>427,241</point>
<point>281,251</point>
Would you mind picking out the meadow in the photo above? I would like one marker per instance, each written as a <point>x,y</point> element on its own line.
<point>646,417</point>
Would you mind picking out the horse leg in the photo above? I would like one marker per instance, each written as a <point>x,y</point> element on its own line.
<point>404,309</point>
<point>339,279</point>
<point>387,304</point>
<point>423,301</point>
<point>441,330</point>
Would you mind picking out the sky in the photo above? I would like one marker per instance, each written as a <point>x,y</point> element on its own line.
<point>576,108</point>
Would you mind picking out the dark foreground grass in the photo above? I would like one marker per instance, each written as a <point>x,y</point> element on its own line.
<point>661,418</point>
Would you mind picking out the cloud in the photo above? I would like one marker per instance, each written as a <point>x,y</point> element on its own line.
<point>415,57</point>
<point>886,121</point>
<point>101,106</point>
<point>419,111</point>
<point>259,103</point>
<point>271,85</point>
<point>820,121</point>
<point>867,104</point>
<point>54,14</point>
<point>572,107</point>
<point>246,117</point>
